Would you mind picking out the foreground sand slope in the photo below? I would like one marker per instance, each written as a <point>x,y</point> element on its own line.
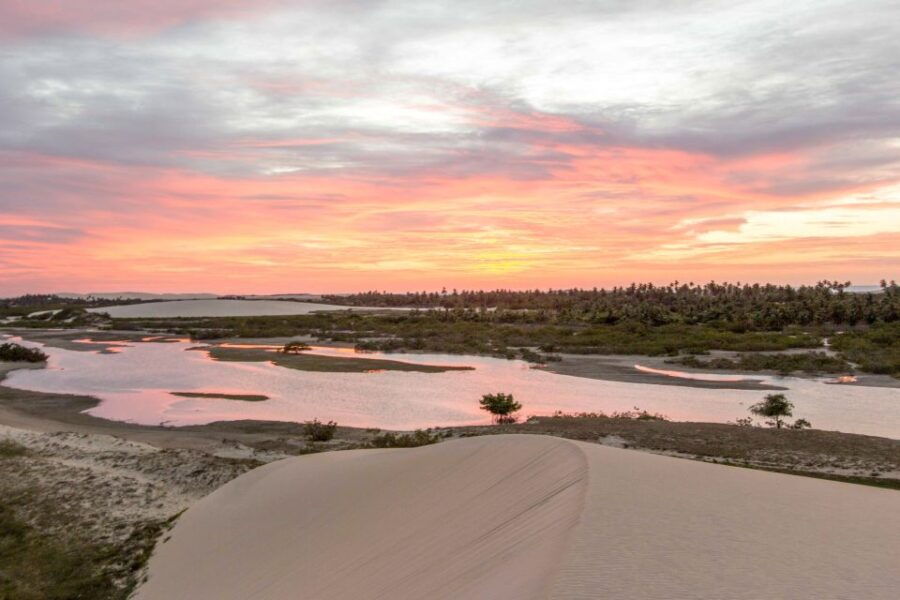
<point>518,517</point>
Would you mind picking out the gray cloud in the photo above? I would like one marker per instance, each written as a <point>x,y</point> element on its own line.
<point>227,97</point>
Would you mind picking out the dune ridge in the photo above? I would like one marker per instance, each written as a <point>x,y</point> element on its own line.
<point>520,517</point>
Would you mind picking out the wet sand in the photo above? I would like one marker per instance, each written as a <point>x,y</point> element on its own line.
<point>622,368</point>
<point>860,458</point>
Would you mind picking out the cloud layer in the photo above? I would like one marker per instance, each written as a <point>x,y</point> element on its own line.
<point>356,144</point>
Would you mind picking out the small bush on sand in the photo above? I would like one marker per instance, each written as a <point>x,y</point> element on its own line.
<point>317,431</point>
<point>16,353</point>
<point>776,407</point>
<point>405,440</point>
<point>11,449</point>
<point>638,414</point>
<point>501,406</point>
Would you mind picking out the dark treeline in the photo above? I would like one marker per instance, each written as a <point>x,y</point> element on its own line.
<point>22,305</point>
<point>751,307</point>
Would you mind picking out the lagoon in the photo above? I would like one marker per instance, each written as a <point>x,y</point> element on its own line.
<point>135,383</point>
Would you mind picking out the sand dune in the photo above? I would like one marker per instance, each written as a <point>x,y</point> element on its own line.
<point>519,517</point>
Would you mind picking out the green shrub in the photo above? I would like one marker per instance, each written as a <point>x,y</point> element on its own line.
<point>16,353</point>
<point>405,440</point>
<point>11,449</point>
<point>501,406</point>
<point>317,431</point>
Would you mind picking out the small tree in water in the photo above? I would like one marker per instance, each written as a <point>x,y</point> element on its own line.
<point>501,406</point>
<point>776,407</point>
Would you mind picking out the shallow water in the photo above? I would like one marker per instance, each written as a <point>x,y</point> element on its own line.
<point>216,308</point>
<point>134,384</point>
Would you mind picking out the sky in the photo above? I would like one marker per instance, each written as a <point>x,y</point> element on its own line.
<point>304,146</point>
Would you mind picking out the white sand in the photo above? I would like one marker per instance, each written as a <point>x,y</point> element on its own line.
<point>518,517</point>
<point>214,308</point>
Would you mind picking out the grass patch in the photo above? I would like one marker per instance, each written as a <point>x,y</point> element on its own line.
<point>313,362</point>
<point>807,362</point>
<point>876,350</point>
<point>405,440</point>
<point>503,335</point>
<point>242,397</point>
<point>809,452</point>
<point>12,449</point>
<point>42,567</point>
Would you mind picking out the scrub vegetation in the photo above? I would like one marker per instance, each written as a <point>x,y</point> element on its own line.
<point>223,396</point>
<point>537,326</point>
<point>317,431</point>
<point>784,364</point>
<point>876,350</point>
<point>315,362</point>
<point>10,352</point>
<point>405,440</point>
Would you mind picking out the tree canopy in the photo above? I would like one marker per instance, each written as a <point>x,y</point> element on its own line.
<point>501,406</point>
<point>776,407</point>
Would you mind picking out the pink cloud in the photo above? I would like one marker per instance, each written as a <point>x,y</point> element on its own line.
<point>597,220</point>
<point>125,18</point>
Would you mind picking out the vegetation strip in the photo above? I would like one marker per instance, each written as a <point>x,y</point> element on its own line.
<point>244,397</point>
<point>315,362</point>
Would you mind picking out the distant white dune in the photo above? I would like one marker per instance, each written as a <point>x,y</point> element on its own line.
<point>214,308</point>
<point>519,517</point>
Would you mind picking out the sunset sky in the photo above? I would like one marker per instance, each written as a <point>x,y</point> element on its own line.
<point>303,146</point>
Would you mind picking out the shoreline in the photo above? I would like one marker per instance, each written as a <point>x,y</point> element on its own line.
<point>136,479</point>
<point>605,367</point>
<point>810,452</point>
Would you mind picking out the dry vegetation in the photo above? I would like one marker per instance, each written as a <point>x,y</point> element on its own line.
<point>79,514</point>
<point>828,454</point>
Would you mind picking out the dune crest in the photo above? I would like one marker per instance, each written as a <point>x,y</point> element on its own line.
<point>521,517</point>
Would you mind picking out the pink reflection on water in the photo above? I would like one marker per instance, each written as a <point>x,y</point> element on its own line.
<point>134,385</point>
<point>109,346</point>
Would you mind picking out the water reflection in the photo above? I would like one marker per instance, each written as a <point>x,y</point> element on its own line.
<point>134,385</point>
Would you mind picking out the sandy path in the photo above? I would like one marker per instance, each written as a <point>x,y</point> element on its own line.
<point>528,517</point>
